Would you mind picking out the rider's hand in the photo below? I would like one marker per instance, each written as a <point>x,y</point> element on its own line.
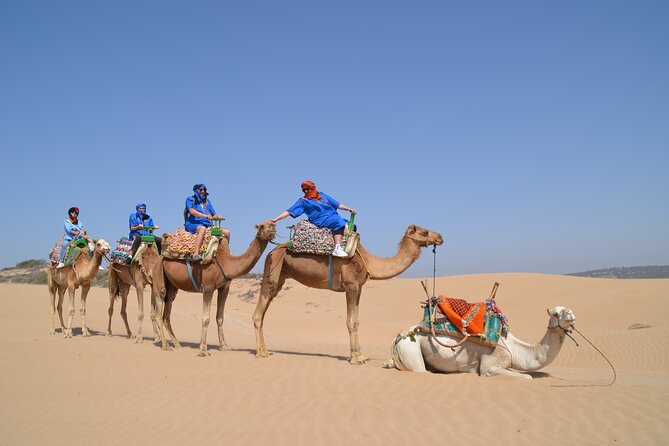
<point>353,211</point>
<point>209,217</point>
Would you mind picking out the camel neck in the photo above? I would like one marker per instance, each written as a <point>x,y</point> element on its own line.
<point>384,268</point>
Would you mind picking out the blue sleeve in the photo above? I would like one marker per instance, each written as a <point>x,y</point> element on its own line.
<point>297,209</point>
<point>131,221</point>
<point>149,222</point>
<point>334,203</point>
<point>211,209</point>
<point>189,203</point>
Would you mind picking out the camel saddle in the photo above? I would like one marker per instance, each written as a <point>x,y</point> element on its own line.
<point>72,252</point>
<point>122,254</point>
<point>310,239</point>
<point>483,322</point>
<point>181,243</point>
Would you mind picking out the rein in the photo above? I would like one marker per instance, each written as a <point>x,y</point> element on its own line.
<point>598,351</point>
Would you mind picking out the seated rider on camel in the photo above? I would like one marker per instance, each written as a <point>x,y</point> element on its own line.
<point>138,222</point>
<point>199,214</point>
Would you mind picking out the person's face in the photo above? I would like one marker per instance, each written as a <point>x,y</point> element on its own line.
<point>202,191</point>
<point>74,214</point>
<point>142,210</point>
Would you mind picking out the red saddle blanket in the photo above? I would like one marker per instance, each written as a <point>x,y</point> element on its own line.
<point>468,318</point>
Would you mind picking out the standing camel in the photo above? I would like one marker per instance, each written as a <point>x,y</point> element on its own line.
<point>348,275</point>
<point>215,275</point>
<point>413,350</point>
<point>138,274</point>
<point>70,277</point>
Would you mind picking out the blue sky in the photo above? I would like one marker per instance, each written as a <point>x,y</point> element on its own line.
<point>532,135</point>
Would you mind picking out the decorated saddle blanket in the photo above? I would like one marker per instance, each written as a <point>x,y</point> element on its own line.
<point>180,244</point>
<point>123,252</point>
<point>482,321</point>
<point>311,239</point>
<point>54,253</point>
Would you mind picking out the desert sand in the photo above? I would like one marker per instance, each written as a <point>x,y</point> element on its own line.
<point>110,391</point>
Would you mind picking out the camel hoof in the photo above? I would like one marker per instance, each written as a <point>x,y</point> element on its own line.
<point>109,333</point>
<point>263,354</point>
<point>166,347</point>
<point>52,331</point>
<point>139,340</point>
<point>203,353</point>
<point>67,333</point>
<point>359,360</point>
<point>85,333</point>
<point>224,348</point>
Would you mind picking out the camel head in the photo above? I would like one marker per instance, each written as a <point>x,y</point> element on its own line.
<point>561,317</point>
<point>424,237</point>
<point>101,246</point>
<point>266,231</point>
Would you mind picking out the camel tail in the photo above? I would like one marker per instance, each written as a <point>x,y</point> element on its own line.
<point>112,281</point>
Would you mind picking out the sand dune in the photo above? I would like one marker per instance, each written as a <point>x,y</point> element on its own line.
<point>109,390</point>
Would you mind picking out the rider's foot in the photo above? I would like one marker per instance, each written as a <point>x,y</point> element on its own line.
<point>60,265</point>
<point>338,252</point>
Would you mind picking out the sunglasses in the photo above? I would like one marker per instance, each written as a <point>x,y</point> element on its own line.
<point>203,189</point>
<point>306,189</point>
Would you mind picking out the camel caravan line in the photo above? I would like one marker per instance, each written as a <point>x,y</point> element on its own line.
<point>454,336</point>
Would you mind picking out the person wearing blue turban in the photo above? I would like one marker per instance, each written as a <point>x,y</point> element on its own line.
<point>138,222</point>
<point>198,214</point>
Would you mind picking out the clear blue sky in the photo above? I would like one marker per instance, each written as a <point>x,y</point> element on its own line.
<point>532,135</point>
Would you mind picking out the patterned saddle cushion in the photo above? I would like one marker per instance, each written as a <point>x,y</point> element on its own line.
<point>181,243</point>
<point>311,239</point>
<point>123,252</point>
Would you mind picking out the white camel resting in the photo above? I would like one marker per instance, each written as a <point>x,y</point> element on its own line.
<point>413,350</point>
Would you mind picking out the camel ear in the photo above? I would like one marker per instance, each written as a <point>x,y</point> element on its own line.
<point>548,312</point>
<point>256,226</point>
<point>411,229</point>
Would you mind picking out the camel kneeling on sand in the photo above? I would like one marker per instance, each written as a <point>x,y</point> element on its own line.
<point>416,351</point>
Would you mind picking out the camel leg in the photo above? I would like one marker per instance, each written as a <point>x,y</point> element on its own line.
<point>156,310</point>
<point>170,295</point>
<point>407,354</point>
<point>222,297</point>
<point>82,309</point>
<point>268,290</point>
<point>139,286</point>
<point>352,322</point>
<point>67,333</point>
<point>125,289</point>
<point>59,307</point>
<point>110,310</point>
<point>207,296</point>
<point>498,363</point>
<point>53,289</point>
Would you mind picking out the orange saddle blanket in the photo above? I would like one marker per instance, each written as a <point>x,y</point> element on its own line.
<point>468,318</point>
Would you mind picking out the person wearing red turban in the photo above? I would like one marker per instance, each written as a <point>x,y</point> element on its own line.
<point>321,210</point>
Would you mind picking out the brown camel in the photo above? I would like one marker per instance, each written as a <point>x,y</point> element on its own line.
<point>215,275</point>
<point>70,277</point>
<point>122,277</point>
<point>348,275</point>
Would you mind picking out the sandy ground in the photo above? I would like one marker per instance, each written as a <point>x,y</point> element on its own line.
<point>111,391</point>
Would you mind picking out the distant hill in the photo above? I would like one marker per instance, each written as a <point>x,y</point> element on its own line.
<point>628,272</point>
<point>34,272</point>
